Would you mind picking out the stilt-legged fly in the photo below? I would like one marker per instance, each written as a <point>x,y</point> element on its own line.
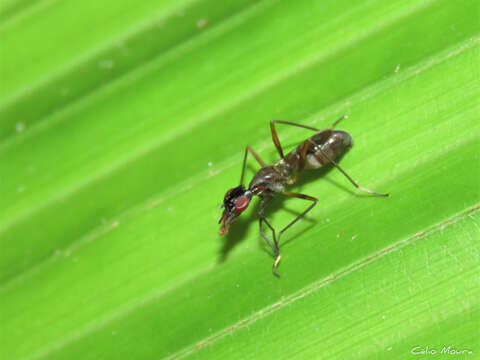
<point>324,147</point>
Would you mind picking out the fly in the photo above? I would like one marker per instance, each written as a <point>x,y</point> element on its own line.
<point>325,147</point>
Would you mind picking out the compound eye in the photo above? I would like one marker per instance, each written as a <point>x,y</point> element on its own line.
<point>241,203</point>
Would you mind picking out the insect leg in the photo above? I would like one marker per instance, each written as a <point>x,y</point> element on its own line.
<point>255,155</point>
<point>273,122</point>
<point>273,245</point>
<point>348,177</point>
<point>276,240</point>
<point>294,124</point>
<point>276,141</point>
<point>303,154</point>
<point>335,123</point>
<point>300,196</point>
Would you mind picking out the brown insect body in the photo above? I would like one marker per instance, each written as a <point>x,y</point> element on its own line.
<point>325,147</point>
<point>273,178</point>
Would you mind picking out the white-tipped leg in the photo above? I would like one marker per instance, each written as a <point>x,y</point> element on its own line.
<point>275,264</point>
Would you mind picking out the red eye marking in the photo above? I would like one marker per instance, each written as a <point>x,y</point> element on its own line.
<point>241,203</point>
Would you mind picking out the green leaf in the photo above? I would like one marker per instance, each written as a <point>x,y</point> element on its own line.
<point>123,123</point>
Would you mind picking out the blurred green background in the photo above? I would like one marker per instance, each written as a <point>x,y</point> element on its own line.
<point>123,123</point>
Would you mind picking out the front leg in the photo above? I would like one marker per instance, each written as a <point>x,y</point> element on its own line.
<point>257,157</point>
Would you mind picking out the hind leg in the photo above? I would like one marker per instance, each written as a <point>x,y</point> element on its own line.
<point>354,183</point>
<point>276,140</point>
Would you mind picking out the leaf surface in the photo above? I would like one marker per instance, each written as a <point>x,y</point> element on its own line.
<point>121,132</point>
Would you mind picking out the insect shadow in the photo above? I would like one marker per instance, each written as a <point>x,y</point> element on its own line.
<point>242,226</point>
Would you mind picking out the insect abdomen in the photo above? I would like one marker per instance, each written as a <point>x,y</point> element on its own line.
<point>331,143</point>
